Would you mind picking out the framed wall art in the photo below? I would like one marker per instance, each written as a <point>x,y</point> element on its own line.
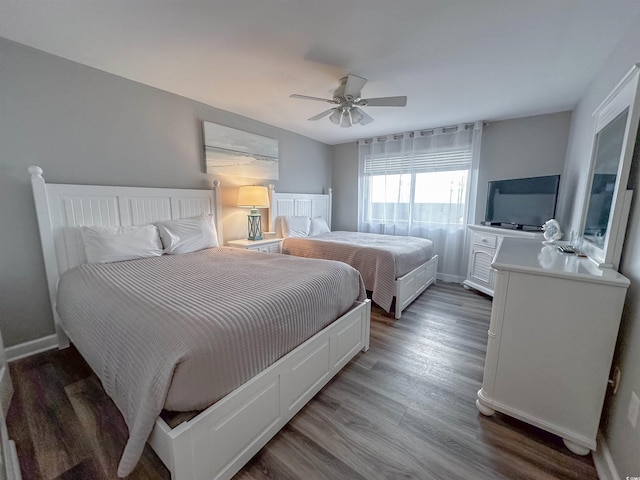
<point>233,152</point>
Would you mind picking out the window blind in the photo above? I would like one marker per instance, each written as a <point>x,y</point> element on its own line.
<point>418,162</point>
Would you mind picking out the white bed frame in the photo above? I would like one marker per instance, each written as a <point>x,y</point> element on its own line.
<point>407,288</point>
<point>221,439</point>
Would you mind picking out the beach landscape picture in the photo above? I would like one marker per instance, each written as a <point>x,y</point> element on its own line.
<point>229,151</point>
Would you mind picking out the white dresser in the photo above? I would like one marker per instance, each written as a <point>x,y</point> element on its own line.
<point>554,324</point>
<point>484,243</point>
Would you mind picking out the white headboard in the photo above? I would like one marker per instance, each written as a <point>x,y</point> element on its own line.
<point>300,204</point>
<point>61,208</point>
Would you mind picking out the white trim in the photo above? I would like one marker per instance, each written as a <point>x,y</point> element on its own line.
<point>45,228</point>
<point>31,347</point>
<point>13,471</point>
<point>6,389</point>
<point>624,96</point>
<point>602,459</point>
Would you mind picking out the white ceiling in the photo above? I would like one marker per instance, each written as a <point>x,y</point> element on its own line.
<point>455,60</point>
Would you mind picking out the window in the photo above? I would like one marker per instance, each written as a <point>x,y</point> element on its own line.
<point>418,189</point>
<point>422,184</point>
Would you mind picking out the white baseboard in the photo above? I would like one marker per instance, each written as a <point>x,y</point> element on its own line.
<point>6,389</point>
<point>31,347</point>
<point>603,461</point>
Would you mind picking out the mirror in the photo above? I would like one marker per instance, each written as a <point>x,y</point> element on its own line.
<point>604,220</point>
<point>608,146</point>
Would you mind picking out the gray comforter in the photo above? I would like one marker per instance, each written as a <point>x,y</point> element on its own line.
<point>380,259</point>
<point>180,332</point>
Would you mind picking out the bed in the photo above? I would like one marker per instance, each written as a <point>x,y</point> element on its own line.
<point>292,334</point>
<point>393,268</point>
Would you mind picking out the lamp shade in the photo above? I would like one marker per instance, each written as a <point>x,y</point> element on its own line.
<point>356,115</point>
<point>336,116</point>
<point>346,119</point>
<point>253,196</point>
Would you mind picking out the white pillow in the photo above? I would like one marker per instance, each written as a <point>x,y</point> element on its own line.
<point>113,244</point>
<point>188,235</point>
<point>318,226</point>
<point>279,226</point>
<point>295,226</point>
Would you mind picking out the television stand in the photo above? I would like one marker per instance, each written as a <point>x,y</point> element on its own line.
<point>484,244</point>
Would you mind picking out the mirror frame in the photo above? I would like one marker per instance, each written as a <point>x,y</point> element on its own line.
<point>624,95</point>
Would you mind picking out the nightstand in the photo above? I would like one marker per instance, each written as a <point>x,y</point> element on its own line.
<point>270,245</point>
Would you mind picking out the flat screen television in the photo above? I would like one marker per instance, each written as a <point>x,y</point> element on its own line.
<point>522,203</point>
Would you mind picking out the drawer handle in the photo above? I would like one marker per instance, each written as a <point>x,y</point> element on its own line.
<point>483,240</point>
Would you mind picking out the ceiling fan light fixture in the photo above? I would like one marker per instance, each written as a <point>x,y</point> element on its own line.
<point>336,116</point>
<point>356,115</point>
<point>347,98</point>
<point>346,118</point>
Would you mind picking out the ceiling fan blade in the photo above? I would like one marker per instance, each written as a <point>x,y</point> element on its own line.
<point>323,114</point>
<point>307,97</point>
<point>366,119</point>
<point>353,86</point>
<point>384,102</point>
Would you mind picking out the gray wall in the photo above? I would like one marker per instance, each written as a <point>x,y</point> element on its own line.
<point>82,125</point>
<point>623,441</point>
<point>344,215</point>
<point>522,147</point>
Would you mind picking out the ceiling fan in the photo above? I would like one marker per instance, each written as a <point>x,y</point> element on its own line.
<point>347,98</point>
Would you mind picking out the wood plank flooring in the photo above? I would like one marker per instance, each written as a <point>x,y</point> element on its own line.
<point>403,410</point>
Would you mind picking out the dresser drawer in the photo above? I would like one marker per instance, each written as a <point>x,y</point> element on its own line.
<point>485,239</point>
<point>272,248</point>
<point>271,245</point>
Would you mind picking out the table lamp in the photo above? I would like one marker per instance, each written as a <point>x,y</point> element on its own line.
<point>253,197</point>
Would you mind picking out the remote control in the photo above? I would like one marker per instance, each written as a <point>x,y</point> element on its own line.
<point>567,249</point>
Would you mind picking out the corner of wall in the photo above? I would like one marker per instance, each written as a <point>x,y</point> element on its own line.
<point>603,460</point>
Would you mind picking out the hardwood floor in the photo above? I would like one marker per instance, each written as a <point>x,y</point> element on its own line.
<point>405,409</point>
